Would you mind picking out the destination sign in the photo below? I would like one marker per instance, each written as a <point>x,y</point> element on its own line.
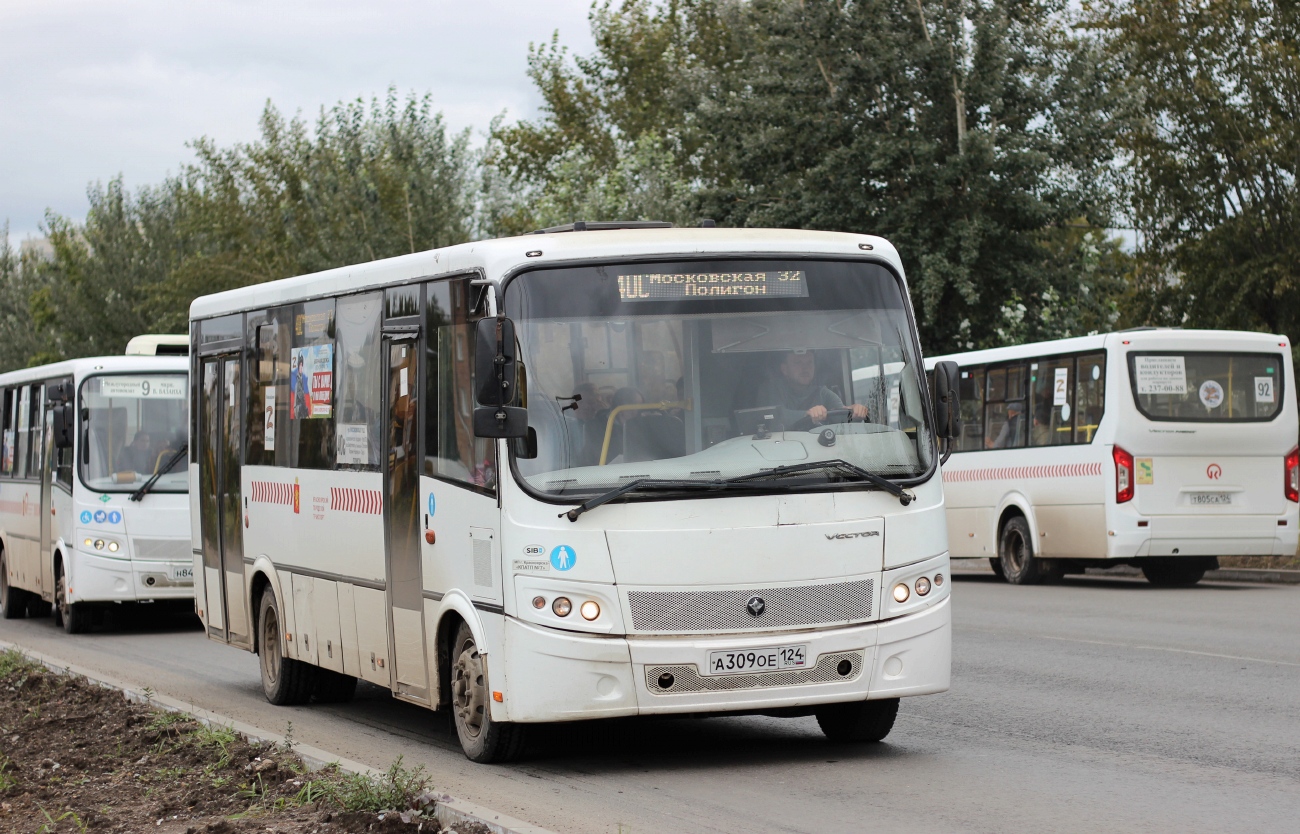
<point>677,286</point>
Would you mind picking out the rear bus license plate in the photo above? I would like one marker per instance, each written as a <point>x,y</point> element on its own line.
<point>772,659</point>
<point>1211,498</point>
<point>182,573</point>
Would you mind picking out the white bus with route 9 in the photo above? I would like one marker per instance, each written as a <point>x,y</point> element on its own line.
<point>93,511</point>
<point>605,470</point>
<point>1159,448</point>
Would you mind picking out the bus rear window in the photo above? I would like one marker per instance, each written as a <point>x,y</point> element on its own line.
<point>1207,387</point>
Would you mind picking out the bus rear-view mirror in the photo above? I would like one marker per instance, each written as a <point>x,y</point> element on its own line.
<point>947,410</point>
<point>495,378</point>
<point>63,426</point>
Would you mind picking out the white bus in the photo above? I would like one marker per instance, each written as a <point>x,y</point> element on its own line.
<point>570,476</point>
<point>93,511</point>
<point>1158,448</point>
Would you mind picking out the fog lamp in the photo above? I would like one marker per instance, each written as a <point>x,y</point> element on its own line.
<point>922,586</point>
<point>901,593</point>
<point>562,607</point>
<point>112,547</point>
<point>539,602</point>
<point>590,610</point>
<point>99,544</point>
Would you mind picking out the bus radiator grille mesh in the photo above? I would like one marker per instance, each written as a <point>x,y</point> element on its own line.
<point>170,550</point>
<point>704,611</point>
<point>687,678</point>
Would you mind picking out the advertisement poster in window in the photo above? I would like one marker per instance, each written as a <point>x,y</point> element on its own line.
<point>311,384</point>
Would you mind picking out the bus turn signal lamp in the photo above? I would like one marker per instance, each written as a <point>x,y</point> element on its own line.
<point>1123,475</point>
<point>1293,475</point>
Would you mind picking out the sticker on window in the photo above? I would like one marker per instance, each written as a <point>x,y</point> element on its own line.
<point>311,382</point>
<point>1061,387</point>
<point>1264,390</point>
<point>1160,374</point>
<point>354,444</point>
<point>268,432</point>
<point>1211,394</point>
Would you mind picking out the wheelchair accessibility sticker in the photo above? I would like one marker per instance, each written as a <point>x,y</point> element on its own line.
<point>85,516</point>
<point>563,557</point>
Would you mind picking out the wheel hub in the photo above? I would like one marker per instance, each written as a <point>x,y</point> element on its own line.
<point>468,691</point>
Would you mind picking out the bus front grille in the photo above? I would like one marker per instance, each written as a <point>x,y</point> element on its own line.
<point>688,612</point>
<point>162,550</point>
<point>687,678</point>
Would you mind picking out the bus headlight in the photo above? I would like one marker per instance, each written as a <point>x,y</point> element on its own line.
<point>922,586</point>
<point>590,610</point>
<point>562,606</point>
<point>112,547</point>
<point>901,592</point>
<point>99,544</point>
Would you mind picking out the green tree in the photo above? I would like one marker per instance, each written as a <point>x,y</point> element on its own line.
<point>1214,141</point>
<point>19,279</point>
<point>974,134</point>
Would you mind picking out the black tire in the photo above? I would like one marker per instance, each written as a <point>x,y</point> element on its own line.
<point>996,564</point>
<point>285,682</point>
<point>1016,555</point>
<point>13,601</point>
<point>334,687</point>
<point>1174,573</point>
<point>37,607</point>
<point>860,721</point>
<point>483,740</point>
<point>73,616</point>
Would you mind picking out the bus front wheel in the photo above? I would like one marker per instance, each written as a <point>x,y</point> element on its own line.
<point>482,739</point>
<point>73,616</point>
<point>284,681</point>
<point>860,721</point>
<point>1016,555</point>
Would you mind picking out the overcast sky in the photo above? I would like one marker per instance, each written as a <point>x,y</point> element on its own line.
<point>94,88</point>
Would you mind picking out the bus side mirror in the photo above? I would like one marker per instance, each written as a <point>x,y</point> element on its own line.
<point>496,377</point>
<point>63,426</point>
<point>947,409</point>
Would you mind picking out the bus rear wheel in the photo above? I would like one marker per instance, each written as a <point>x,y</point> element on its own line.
<point>483,740</point>
<point>13,601</point>
<point>861,721</point>
<point>1016,555</point>
<point>1175,573</point>
<point>284,681</point>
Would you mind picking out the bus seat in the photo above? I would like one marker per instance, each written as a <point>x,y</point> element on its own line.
<point>654,437</point>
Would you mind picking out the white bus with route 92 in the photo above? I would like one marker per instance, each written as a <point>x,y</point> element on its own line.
<point>604,470</point>
<point>93,511</point>
<point>1159,448</point>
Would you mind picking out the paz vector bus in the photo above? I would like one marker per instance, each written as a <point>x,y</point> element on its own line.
<point>1159,448</point>
<point>93,511</point>
<point>604,470</point>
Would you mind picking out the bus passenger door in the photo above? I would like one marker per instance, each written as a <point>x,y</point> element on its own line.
<point>221,516</point>
<point>45,577</point>
<point>402,520</point>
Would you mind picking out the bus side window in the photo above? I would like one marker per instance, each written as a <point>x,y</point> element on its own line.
<point>312,371</point>
<point>971,391</point>
<point>7,434</point>
<point>23,422</point>
<point>360,383</point>
<point>1089,396</point>
<point>451,451</point>
<point>1052,407</point>
<point>1005,422</point>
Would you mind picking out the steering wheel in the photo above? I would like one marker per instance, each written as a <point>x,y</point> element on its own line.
<point>833,415</point>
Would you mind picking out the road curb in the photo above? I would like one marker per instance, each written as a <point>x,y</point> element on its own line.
<point>1270,576</point>
<point>449,810</point>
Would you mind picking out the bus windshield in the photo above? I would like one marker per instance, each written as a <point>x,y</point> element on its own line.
<point>1203,386</point>
<point>708,370</point>
<point>133,424</point>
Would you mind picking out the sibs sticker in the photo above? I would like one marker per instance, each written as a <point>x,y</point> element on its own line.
<point>534,551</point>
<point>85,516</point>
<point>115,517</point>
<point>100,516</point>
<point>433,505</point>
<point>563,557</point>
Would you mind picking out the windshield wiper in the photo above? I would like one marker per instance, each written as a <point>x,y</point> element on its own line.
<point>904,496</point>
<point>140,493</point>
<point>640,483</point>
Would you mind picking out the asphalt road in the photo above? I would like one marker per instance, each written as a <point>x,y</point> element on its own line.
<point>1101,704</point>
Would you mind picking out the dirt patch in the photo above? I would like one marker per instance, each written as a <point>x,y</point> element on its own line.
<point>77,757</point>
<point>1261,562</point>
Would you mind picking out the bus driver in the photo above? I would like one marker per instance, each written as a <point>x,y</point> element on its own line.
<point>794,388</point>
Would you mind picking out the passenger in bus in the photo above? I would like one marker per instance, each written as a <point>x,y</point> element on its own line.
<point>795,390</point>
<point>1010,433</point>
<point>1041,432</point>
<point>137,457</point>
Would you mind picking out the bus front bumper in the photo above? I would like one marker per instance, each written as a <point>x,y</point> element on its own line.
<point>578,677</point>
<point>95,578</point>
